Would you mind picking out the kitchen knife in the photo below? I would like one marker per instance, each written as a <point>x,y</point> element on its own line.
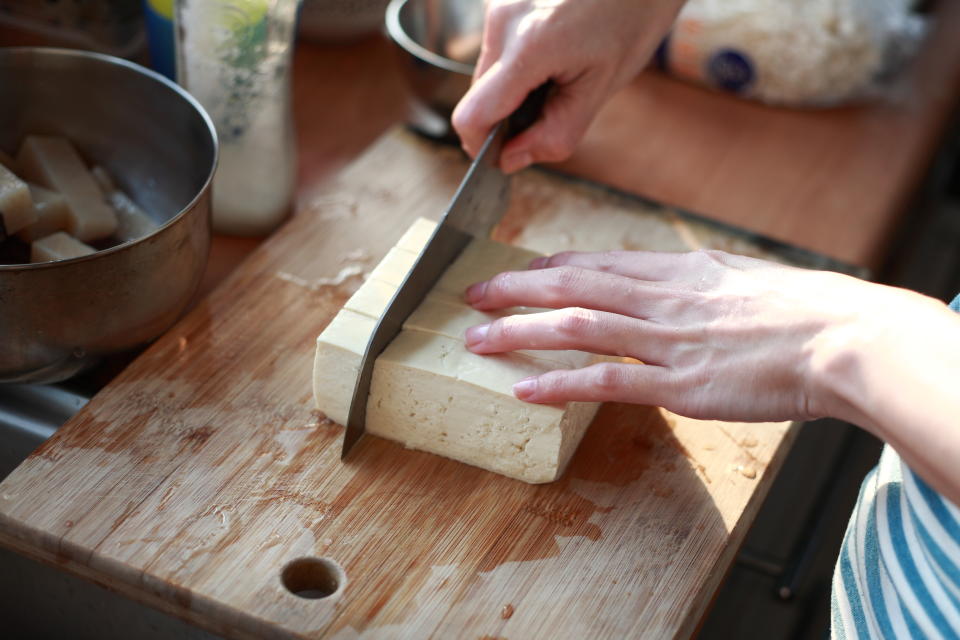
<point>476,207</point>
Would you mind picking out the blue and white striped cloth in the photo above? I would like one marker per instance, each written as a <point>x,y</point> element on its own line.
<point>898,573</point>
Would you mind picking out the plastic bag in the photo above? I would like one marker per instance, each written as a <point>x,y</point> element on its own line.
<point>793,52</point>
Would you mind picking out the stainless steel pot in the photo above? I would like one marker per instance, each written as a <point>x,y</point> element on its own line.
<point>57,318</point>
<point>439,42</point>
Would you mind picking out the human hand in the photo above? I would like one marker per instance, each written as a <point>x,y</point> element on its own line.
<point>588,48</point>
<point>720,336</point>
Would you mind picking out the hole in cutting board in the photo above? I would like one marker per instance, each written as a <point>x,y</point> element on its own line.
<point>312,578</point>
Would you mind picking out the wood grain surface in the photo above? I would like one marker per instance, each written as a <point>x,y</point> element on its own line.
<point>202,470</point>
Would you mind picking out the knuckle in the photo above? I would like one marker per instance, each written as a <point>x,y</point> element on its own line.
<point>708,257</point>
<point>608,378</point>
<point>608,260</point>
<point>503,330</point>
<point>560,259</point>
<point>556,145</point>
<point>576,322</point>
<point>566,279</point>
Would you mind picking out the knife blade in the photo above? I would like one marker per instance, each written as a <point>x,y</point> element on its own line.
<point>477,206</point>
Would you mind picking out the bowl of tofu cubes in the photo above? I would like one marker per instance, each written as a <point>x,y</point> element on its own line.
<point>105,171</point>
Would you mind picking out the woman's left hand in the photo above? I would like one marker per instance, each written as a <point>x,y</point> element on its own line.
<point>719,336</point>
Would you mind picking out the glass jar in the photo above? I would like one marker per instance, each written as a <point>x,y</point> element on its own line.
<point>235,57</point>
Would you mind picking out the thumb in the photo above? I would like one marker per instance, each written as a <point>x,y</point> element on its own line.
<point>493,97</point>
<point>554,136</point>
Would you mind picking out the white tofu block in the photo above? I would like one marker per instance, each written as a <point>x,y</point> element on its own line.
<point>58,246</point>
<point>416,237</point>
<point>53,163</point>
<point>394,266</point>
<point>132,221</point>
<point>480,260</point>
<point>429,392</point>
<point>446,317</point>
<point>16,204</point>
<point>337,362</point>
<point>104,180</point>
<point>52,214</point>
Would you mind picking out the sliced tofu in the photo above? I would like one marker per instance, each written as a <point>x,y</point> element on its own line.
<point>429,392</point>
<point>132,221</point>
<point>52,214</point>
<point>394,266</point>
<point>58,246</point>
<point>53,163</point>
<point>416,237</point>
<point>16,204</point>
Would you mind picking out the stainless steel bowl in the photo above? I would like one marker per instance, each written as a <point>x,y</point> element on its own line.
<point>439,42</point>
<point>57,318</point>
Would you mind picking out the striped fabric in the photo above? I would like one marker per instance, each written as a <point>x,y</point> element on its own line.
<point>898,573</point>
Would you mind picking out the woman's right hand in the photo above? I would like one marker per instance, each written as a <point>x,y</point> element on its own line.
<point>588,48</point>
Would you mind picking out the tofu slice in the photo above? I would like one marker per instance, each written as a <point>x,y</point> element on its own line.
<point>16,204</point>
<point>53,163</point>
<point>429,392</point>
<point>58,246</point>
<point>51,211</point>
<point>132,221</point>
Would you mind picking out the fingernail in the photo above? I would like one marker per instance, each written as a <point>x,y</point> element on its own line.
<point>476,335</point>
<point>516,161</point>
<point>538,263</point>
<point>525,388</point>
<point>475,292</point>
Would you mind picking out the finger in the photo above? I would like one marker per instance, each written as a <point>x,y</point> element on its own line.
<point>574,328</point>
<point>493,97</point>
<point>554,136</point>
<point>604,382</point>
<point>643,265</point>
<point>562,287</point>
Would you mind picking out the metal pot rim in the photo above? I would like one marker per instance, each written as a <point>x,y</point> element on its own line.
<point>396,31</point>
<point>11,52</point>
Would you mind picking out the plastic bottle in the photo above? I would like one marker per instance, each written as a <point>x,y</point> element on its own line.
<point>235,58</point>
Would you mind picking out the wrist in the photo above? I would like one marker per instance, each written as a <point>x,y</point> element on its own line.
<point>863,362</point>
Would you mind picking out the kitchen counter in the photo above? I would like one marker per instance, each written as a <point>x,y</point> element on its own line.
<point>837,182</point>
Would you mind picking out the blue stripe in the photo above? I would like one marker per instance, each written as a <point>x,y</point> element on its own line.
<point>937,554</point>
<point>915,632</point>
<point>872,567</point>
<point>853,595</point>
<point>955,305</point>
<point>901,549</point>
<point>935,502</point>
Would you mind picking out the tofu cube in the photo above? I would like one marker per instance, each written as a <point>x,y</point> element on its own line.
<point>429,392</point>
<point>52,162</point>
<point>16,204</point>
<point>58,246</point>
<point>52,214</point>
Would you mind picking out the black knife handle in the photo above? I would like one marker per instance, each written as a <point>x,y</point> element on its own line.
<point>528,111</point>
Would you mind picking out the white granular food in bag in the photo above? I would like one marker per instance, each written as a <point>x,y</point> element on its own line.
<point>792,52</point>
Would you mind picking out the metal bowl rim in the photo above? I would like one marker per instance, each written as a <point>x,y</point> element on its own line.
<point>414,48</point>
<point>136,68</point>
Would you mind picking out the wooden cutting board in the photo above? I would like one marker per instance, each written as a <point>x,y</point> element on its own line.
<point>203,470</point>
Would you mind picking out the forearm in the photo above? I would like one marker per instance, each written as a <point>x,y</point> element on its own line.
<point>899,377</point>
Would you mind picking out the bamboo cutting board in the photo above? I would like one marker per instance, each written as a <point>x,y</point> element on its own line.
<point>203,471</point>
